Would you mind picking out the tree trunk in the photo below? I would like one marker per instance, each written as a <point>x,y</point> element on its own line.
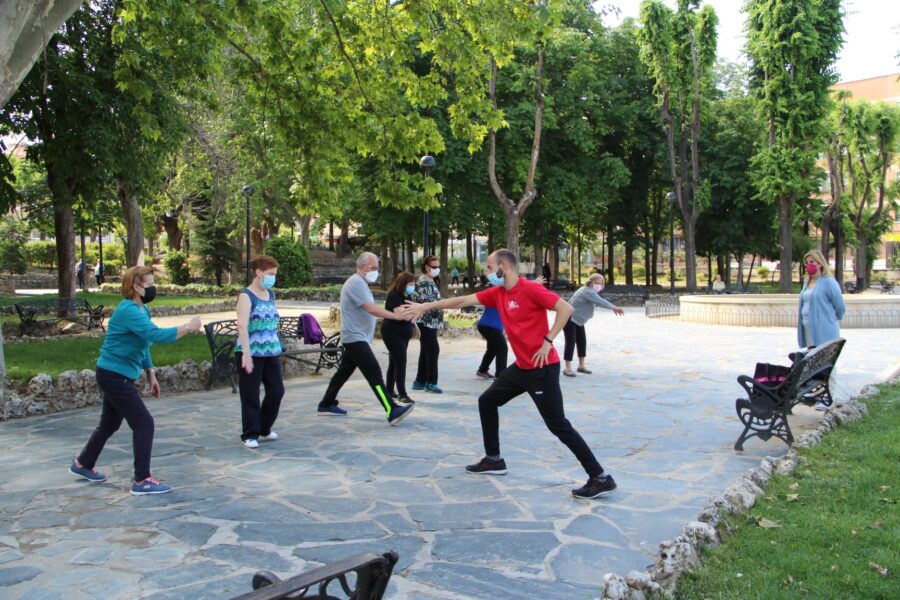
<point>444,257</point>
<point>134,225</point>
<point>410,265</point>
<point>64,229</point>
<point>343,245</point>
<point>860,261</point>
<point>173,231</point>
<point>470,259</point>
<point>785,217</point>
<point>610,247</point>
<point>395,258</point>
<point>629,256</point>
<point>387,269</point>
<point>304,230</point>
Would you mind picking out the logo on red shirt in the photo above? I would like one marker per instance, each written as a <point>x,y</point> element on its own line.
<point>513,305</point>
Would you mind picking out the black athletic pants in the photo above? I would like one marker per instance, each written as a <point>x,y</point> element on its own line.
<point>574,336</point>
<point>257,420</point>
<point>543,387</point>
<point>496,348</point>
<point>428,355</point>
<point>358,354</point>
<point>397,343</point>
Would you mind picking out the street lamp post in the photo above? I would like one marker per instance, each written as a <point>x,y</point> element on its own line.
<point>248,191</point>
<point>427,163</point>
<point>671,197</point>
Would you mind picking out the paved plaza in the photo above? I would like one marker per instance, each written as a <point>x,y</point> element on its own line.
<point>658,411</point>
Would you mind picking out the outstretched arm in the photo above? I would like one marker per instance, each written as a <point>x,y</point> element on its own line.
<point>417,310</point>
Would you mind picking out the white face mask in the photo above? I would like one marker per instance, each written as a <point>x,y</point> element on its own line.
<point>435,272</point>
<point>372,276</point>
<point>597,287</point>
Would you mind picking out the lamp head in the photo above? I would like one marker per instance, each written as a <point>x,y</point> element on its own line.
<point>427,162</point>
<point>671,196</point>
<point>248,190</point>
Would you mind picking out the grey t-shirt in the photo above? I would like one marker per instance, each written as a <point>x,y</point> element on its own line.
<point>357,325</point>
<point>583,301</point>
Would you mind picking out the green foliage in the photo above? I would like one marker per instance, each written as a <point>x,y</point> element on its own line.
<point>294,264</point>
<point>216,254</point>
<point>763,272</point>
<point>177,267</point>
<point>40,253</point>
<point>13,234</point>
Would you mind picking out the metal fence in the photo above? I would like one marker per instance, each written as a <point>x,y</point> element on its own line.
<point>662,306</point>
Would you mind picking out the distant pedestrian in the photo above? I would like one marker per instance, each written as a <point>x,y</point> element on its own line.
<point>124,354</point>
<point>429,325</point>
<point>396,336</point>
<point>454,276</point>
<point>583,301</point>
<point>79,273</point>
<point>545,273</point>
<point>99,273</point>
<point>358,314</point>
<point>260,363</point>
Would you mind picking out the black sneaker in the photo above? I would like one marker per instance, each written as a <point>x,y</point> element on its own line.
<point>487,466</point>
<point>398,412</point>
<point>406,400</point>
<point>595,486</point>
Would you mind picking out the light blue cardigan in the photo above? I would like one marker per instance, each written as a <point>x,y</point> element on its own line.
<point>826,309</point>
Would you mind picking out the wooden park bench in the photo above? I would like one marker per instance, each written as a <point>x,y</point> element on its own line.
<point>222,338</point>
<point>372,574</point>
<point>36,311</point>
<point>775,389</point>
<point>887,287</point>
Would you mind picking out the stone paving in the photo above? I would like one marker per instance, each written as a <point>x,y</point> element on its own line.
<point>658,410</point>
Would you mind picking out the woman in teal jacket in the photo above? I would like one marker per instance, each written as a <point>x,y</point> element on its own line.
<point>821,303</point>
<point>125,353</point>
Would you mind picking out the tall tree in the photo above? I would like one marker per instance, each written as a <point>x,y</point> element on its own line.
<point>679,47</point>
<point>792,45</point>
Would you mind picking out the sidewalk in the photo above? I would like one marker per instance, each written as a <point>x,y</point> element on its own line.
<point>658,411</point>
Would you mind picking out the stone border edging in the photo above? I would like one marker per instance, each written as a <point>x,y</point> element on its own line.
<point>683,553</point>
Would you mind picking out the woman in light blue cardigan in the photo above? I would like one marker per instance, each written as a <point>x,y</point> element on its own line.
<point>821,303</point>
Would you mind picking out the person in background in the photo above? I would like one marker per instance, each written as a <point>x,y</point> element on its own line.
<point>99,274</point>
<point>257,324</point>
<point>124,354</point>
<point>491,329</point>
<point>718,286</point>
<point>396,336</point>
<point>429,324</point>
<point>454,276</point>
<point>79,273</point>
<point>583,301</point>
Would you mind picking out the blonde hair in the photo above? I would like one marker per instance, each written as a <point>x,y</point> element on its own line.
<point>594,277</point>
<point>818,258</point>
<point>134,275</point>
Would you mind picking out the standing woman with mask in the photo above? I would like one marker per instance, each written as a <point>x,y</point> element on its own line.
<point>124,354</point>
<point>396,336</point>
<point>821,303</point>
<point>429,324</point>
<point>258,354</point>
<point>491,329</point>
<point>583,301</point>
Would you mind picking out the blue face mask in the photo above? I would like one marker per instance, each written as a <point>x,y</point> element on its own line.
<point>494,279</point>
<point>410,289</point>
<point>268,282</point>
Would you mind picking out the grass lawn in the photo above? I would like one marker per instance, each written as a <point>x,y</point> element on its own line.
<point>824,532</point>
<point>109,300</point>
<point>24,361</point>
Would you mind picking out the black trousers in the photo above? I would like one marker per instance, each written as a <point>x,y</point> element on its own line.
<point>358,354</point>
<point>543,387</point>
<point>121,401</point>
<point>397,342</point>
<point>428,355</point>
<point>257,420</point>
<point>496,349</point>
<point>574,336</point>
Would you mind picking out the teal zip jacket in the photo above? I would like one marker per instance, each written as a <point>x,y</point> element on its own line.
<point>129,335</point>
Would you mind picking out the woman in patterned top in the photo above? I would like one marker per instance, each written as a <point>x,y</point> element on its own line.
<point>429,325</point>
<point>257,323</point>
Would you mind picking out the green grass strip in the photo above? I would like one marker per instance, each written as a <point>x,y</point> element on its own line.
<point>108,300</point>
<point>826,531</point>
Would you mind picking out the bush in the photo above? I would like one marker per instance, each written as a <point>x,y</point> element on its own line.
<point>460,263</point>
<point>295,266</point>
<point>763,272</point>
<point>12,238</point>
<point>177,267</point>
<point>40,254</point>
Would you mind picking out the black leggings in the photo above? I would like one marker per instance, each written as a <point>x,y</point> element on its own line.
<point>543,387</point>
<point>358,354</point>
<point>397,343</point>
<point>574,335</point>
<point>428,355</point>
<point>258,420</point>
<point>121,400</point>
<point>496,348</point>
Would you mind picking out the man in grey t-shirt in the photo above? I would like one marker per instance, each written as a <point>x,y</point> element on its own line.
<point>358,314</point>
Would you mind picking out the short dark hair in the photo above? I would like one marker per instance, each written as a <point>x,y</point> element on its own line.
<point>508,256</point>
<point>427,260</point>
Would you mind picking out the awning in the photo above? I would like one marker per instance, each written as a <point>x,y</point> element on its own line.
<point>891,237</point>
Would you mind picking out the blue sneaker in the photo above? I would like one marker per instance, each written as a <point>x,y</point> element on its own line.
<point>332,411</point>
<point>433,388</point>
<point>418,385</point>
<point>398,412</point>
<point>149,486</point>
<point>90,474</point>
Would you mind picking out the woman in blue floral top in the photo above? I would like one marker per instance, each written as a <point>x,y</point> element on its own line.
<point>429,325</point>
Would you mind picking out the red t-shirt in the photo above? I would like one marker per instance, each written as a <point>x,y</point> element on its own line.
<point>523,310</point>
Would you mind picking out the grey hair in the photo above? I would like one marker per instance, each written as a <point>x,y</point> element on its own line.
<point>364,259</point>
<point>594,277</point>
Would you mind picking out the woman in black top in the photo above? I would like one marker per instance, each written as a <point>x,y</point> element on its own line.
<point>396,336</point>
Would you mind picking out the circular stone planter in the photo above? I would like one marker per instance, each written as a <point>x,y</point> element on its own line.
<point>781,310</point>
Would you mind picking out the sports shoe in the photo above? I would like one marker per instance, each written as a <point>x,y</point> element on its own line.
<point>585,371</point>
<point>484,374</point>
<point>149,486</point>
<point>269,438</point>
<point>406,400</point>
<point>91,475</point>
<point>332,411</point>
<point>418,386</point>
<point>398,412</point>
<point>822,407</point>
<point>487,466</point>
<point>568,373</point>
<point>595,486</point>
<point>433,388</point>
<point>250,443</point>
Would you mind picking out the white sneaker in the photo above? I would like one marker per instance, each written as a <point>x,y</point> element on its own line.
<point>822,407</point>
<point>251,443</point>
<point>269,438</point>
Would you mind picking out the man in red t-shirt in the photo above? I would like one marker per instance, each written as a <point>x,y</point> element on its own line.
<point>523,307</point>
